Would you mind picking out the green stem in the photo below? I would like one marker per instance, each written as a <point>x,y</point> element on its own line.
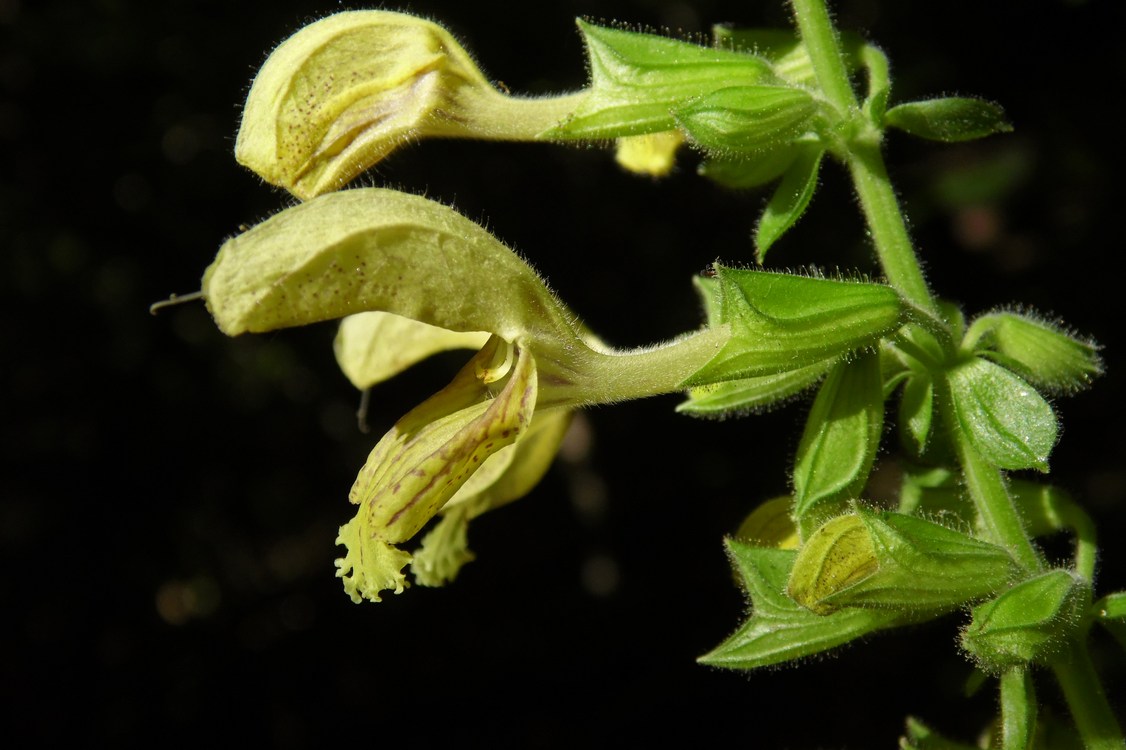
<point>1086,699</point>
<point>1018,709</point>
<point>491,115</point>
<point>608,376</point>
<point>865,162</point>
<point>885,220</point>
<point>820,38</point>
<point>986,486</point>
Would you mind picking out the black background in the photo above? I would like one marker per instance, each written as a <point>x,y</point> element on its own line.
<point>170,496</point>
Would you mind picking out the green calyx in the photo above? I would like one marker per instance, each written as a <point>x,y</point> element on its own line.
<point>1029,623</point>
<point>894,561</point>
<point>784,322</point>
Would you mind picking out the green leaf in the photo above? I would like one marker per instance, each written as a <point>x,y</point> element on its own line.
<point>951,119</point>
<point>1028,623</point>
<point>890,560</point>
<point>1042,353</point>
<point>879,82</point>
<point>841,437</point>
<point>783,322</point>
<point>746,119</point>
<point>638,79</point>
<point>916,412</point>
<point>778,630</point>
<point>921,737</point>
<point>1005,419</point>
<point>1110,611</point>
<point>789,201</point>
<point>749,170</point>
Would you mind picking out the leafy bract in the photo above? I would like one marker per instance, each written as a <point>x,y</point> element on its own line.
<point>638,79</point>
<point>841,437</point>
<point>790,199</point>
<point>1005,419</point>
<point>950,119</point>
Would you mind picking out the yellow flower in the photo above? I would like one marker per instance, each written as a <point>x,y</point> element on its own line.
<point>342,93</point>
<point>487,437</point>
<point>373,346</point>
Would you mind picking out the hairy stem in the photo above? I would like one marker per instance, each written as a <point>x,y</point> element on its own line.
<point>1018,709</point>
<point>1086,699</point>
<point>862,154</point>
<point>991,498</point>
<point>889,231</point>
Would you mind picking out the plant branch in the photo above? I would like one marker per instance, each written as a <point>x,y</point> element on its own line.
<point>1086,699</point>
<point>862,154</point>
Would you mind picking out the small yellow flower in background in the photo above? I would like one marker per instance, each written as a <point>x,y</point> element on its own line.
<point>490,435</point>
<point>652,154</point>
<point>342,93</point>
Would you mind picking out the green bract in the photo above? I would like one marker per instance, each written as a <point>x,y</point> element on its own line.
<point>1003,417</point>
<point>838,446</point>
<point>790,199</point>
<point>951,119</point>
<point>637,80</point>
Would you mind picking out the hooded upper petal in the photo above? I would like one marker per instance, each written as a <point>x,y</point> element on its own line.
<point>376,249</point>
<point>342,92</point>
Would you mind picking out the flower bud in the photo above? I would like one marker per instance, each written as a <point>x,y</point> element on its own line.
<point>867,559</point>
<point>1028,623</point>
<point>770,525</point>
<point>747,119</point>
<point>1044,354</point>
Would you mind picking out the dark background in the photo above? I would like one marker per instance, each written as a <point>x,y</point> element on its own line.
<point>170,497</point>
